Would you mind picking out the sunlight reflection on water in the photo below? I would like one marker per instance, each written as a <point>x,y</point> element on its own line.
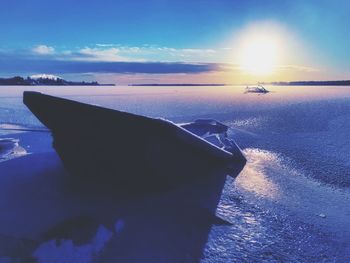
<point>254,177</point>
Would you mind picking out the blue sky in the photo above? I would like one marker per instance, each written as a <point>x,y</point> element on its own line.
<point>99,38</point>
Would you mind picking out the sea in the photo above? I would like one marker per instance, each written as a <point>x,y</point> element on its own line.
<point>290,203</point>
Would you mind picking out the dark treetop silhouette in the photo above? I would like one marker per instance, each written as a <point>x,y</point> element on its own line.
<point>45,81</point>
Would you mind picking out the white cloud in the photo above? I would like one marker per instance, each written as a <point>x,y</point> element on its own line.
<point>105,45</point>
<point>169,54</point>
<point>299,68</point>
<point>118,53</point>
<point>115,53</point>
<point>43,50</point>
<point>100,54</point>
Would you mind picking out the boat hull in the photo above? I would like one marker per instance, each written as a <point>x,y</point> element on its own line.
<point>113,146</point>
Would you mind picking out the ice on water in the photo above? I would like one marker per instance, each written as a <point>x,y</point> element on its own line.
<point>296,143</point>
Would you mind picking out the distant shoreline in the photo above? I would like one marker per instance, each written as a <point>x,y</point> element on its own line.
<point>45,81</point>
<point>311,83</point>
<point>178,85</point>
<point>279,83</point>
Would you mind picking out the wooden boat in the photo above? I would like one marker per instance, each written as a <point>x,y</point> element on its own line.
<point>109,145</point>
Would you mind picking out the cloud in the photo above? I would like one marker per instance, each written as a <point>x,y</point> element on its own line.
<point>145,59</point>
<point>104,45</point>
<point>117,53</point>
<point>43,50</point>
<point>56,66</point>
<point>98,54</point>
<point>107,59</point>
<point>299,68</point>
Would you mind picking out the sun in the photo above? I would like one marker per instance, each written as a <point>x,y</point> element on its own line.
<point>259,55</point>
<point>260,48</point>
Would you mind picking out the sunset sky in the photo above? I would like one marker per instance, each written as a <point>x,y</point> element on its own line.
<point>163,41</point>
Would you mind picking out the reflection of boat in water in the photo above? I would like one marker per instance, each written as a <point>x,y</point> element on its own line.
<point>256,89</point>
<point>104,144</point>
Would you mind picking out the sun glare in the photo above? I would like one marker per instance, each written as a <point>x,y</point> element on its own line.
<point>259,56</point>
<point>258,49</point>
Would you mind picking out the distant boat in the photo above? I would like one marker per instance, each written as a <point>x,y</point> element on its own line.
<point>256,89</point>
<point>110,145</point>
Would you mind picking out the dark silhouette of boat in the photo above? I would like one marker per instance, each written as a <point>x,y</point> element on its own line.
<point>107,145</point>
